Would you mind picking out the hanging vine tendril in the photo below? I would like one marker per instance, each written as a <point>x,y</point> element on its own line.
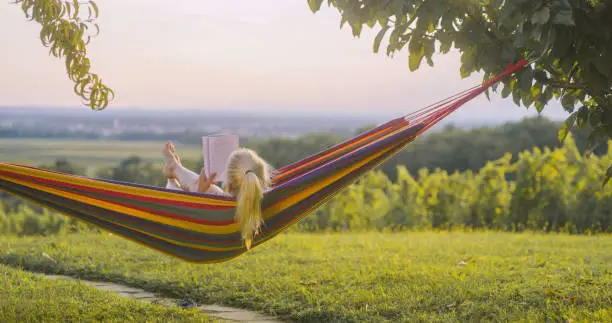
<point>67,29</point>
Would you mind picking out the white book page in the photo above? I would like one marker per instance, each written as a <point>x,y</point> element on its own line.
<point>217,150</point>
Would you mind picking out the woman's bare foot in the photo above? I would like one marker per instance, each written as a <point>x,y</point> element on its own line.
<point>173,151</point>
<point>172,160</point>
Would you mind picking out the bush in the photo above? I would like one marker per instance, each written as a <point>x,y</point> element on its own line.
<point>543,190</point>
<point>27,222</point>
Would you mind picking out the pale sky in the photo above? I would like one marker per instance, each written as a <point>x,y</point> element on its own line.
<point>232,54</point>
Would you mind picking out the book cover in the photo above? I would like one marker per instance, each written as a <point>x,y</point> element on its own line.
<point>216,151</point>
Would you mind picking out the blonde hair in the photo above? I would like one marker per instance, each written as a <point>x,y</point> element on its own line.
<point>248,176</point>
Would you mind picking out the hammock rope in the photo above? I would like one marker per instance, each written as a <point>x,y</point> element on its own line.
<point>201,227</point>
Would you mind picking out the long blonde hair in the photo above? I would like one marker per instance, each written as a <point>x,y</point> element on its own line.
<point>248,176</point>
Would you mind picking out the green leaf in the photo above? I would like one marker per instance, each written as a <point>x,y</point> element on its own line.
<point>541,16</point>
<point>506,12</point>
<point>539,106</point>
<point>536,33</point>
<point>469,59</point>
<point>527,100</point>
<point>594,137</point>
<point>414,61</point>
<point>568,101</point>
<point>595,116</point>
<point>356,28</point>
<point>416,43</point>
<point>429,47</point>
<point>431,28</point>
<point>445,47</point>
<point>540,75</point>
<point>516,97</point>
<point>371,22</point>
<point>564,17</point>
<point>315,5</point>
<point>68,8</point>
<point>582,116</point>
<point>429,61</point>
<point>508,54</point>
<point>379,38</point>
<point>383,20</point>
<point>397,6</point>
<point>567,126</point>
<point>446,21</point>
<point>603,65</point>
<point>343,20</point>
<point>547,95</point>
<point>526,79</point>
<point>536,94</point>
<point>608,176</point>
<point>506,91</point>
<point>606,117</point>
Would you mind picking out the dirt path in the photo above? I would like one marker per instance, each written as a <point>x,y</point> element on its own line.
<point>219,312</point>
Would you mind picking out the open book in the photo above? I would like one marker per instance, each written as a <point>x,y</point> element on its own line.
<point>216,150</point>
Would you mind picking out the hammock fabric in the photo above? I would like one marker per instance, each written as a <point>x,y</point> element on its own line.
<point>200,227</point>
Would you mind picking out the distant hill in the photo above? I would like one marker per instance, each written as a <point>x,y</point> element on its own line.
<point>151,124</point>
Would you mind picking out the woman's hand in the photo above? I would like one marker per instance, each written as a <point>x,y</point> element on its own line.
<point>204,182</point>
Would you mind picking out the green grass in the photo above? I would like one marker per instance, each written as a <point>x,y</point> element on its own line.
<point>362,277</point>
<point>86,152</point>
<point>25,297</point>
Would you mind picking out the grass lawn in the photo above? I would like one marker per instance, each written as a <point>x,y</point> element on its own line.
<point>93,153</point>
<point>25,297</point>
<point>361,277</point>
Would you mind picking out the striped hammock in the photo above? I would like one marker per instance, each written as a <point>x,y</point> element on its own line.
<point>200,227</point>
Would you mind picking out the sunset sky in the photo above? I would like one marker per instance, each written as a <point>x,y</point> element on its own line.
<point>232,54</point>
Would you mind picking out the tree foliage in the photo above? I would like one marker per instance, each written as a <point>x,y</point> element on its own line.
<point>67,27</point>
<point>136,170</point>
<point>570,39</point>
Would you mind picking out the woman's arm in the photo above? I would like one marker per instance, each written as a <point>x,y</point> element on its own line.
<point>205,184</point>
<point>214,189</point>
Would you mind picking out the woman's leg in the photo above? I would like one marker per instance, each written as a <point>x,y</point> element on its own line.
<point>172,163</point>
<point>187,179</point>
<point>172,184</point>
<point>178,176</point>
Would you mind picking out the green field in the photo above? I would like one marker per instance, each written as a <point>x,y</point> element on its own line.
<point>25,297</point>
<point>358,277</point>
<point>91,153</point>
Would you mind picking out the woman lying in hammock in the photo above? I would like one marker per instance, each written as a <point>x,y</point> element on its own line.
<point>248,176</point>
